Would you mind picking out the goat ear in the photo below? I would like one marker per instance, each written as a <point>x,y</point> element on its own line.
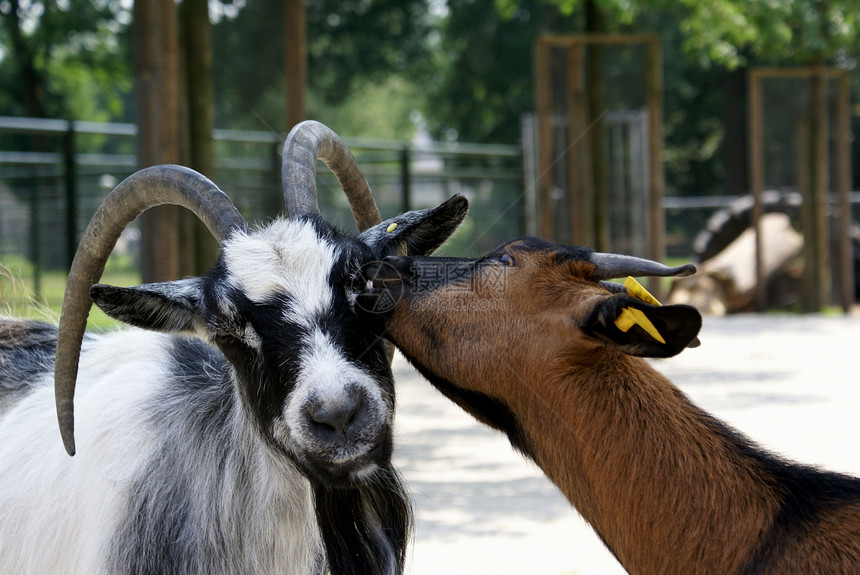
<point>168,306</point>
<point>641,329</point>
<point>416,233</point>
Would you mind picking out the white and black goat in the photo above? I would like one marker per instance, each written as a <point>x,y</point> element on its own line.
<point>531,340</point>
<point>247,428</point>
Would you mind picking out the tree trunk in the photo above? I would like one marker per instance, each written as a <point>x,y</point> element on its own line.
<point>201,247</point>
<point>735,143</point>
<point>31,82</point>
<point>156,60</point>
<point>295,48</point>
<point>595,23</point>
<point>726,283</point>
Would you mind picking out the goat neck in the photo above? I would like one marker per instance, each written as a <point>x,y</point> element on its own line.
<point>526,340</point>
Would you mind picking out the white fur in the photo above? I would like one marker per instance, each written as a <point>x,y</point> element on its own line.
<point>325,374</point>
<point>59,509</point>
<point>286,257</point>
<point>59,513</point>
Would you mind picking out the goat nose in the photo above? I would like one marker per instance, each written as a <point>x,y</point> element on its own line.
<point>339,419</point>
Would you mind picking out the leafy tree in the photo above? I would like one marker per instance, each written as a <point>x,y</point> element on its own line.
<point>63,59</point>
<point>733,33</point>
<point>483,78</point>
<point>351,45</point>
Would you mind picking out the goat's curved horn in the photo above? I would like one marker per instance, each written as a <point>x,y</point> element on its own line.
<point>306,143</point>
<point>134,195</point>
<point>610,266</point>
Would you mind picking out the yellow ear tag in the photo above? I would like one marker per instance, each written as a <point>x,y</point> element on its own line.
<point>638,291</point>
<point>391,227</point>
<point>631,316</point>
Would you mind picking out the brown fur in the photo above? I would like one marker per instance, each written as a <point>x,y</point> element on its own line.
<point>667,487</point>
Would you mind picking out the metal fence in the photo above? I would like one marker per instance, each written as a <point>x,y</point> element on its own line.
<point>53,175</point>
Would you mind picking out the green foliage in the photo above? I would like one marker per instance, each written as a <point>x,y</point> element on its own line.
<point>66,59</point>
<point>620,12</point>
<point>804,32</point>
<point>732,33</point>
<point>18,296</point>
<point>466,65</point>
<point>358,52</point>
<point>483,81</point>
<point>364,40</point>
<point>378,109</point>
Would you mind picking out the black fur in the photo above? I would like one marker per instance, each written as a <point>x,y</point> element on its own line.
<point>678,324</point>
<point>160,533</point>
<point>26,349</point>
<point>365,529</point>
<point>805,493</point>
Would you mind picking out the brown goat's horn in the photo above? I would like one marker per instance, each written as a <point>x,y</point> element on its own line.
<point>306,143</point>
<point>610,266</point>
<point>134,195</point>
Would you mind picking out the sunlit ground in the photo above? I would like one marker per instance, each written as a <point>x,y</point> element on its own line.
<point>791,383</point>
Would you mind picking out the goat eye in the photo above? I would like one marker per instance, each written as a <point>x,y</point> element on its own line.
<point>506,259</point>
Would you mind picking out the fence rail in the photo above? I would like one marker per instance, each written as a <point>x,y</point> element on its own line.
<point>54,173</point>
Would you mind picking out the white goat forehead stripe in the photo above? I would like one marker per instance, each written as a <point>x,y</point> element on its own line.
<point>285,257</point>
<point>326,373</point>
<point>325,362</point>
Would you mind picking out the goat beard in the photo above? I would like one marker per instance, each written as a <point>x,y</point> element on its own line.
<point>365,528</point>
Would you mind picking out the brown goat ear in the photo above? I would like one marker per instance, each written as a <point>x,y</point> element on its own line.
<point>641,329</point>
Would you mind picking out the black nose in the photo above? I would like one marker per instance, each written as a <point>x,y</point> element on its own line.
<point>340,418</point>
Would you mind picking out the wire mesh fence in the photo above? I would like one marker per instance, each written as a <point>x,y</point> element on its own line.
<point>54,174</point>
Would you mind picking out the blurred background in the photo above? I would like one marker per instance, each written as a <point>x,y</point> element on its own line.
<point>662,129</point>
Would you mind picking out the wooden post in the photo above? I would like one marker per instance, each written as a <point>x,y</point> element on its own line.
<point>843,166</point>
<point>199,249</point>
<point>405,180</point>
<point>156,46</point>
<point>588,219</point>
<point>170,140</point>
<point>546,229</point>
<point>814,163</point>
<point>577,212</point>
<point>756,160</point>
<point>819,236</point>
<point>654,99</point>
<point>597,187</point>
<point>70,178</point>
<point>296,60</point>
<point>806,187</point>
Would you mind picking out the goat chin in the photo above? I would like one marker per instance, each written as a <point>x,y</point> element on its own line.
<point>374,517</point>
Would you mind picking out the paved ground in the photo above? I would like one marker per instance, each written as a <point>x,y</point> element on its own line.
<point>790,383</point>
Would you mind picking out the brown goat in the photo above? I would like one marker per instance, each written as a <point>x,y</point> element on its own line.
<point>527,340</point>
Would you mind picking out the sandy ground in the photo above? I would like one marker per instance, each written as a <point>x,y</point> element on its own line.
<point>790,383</point>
